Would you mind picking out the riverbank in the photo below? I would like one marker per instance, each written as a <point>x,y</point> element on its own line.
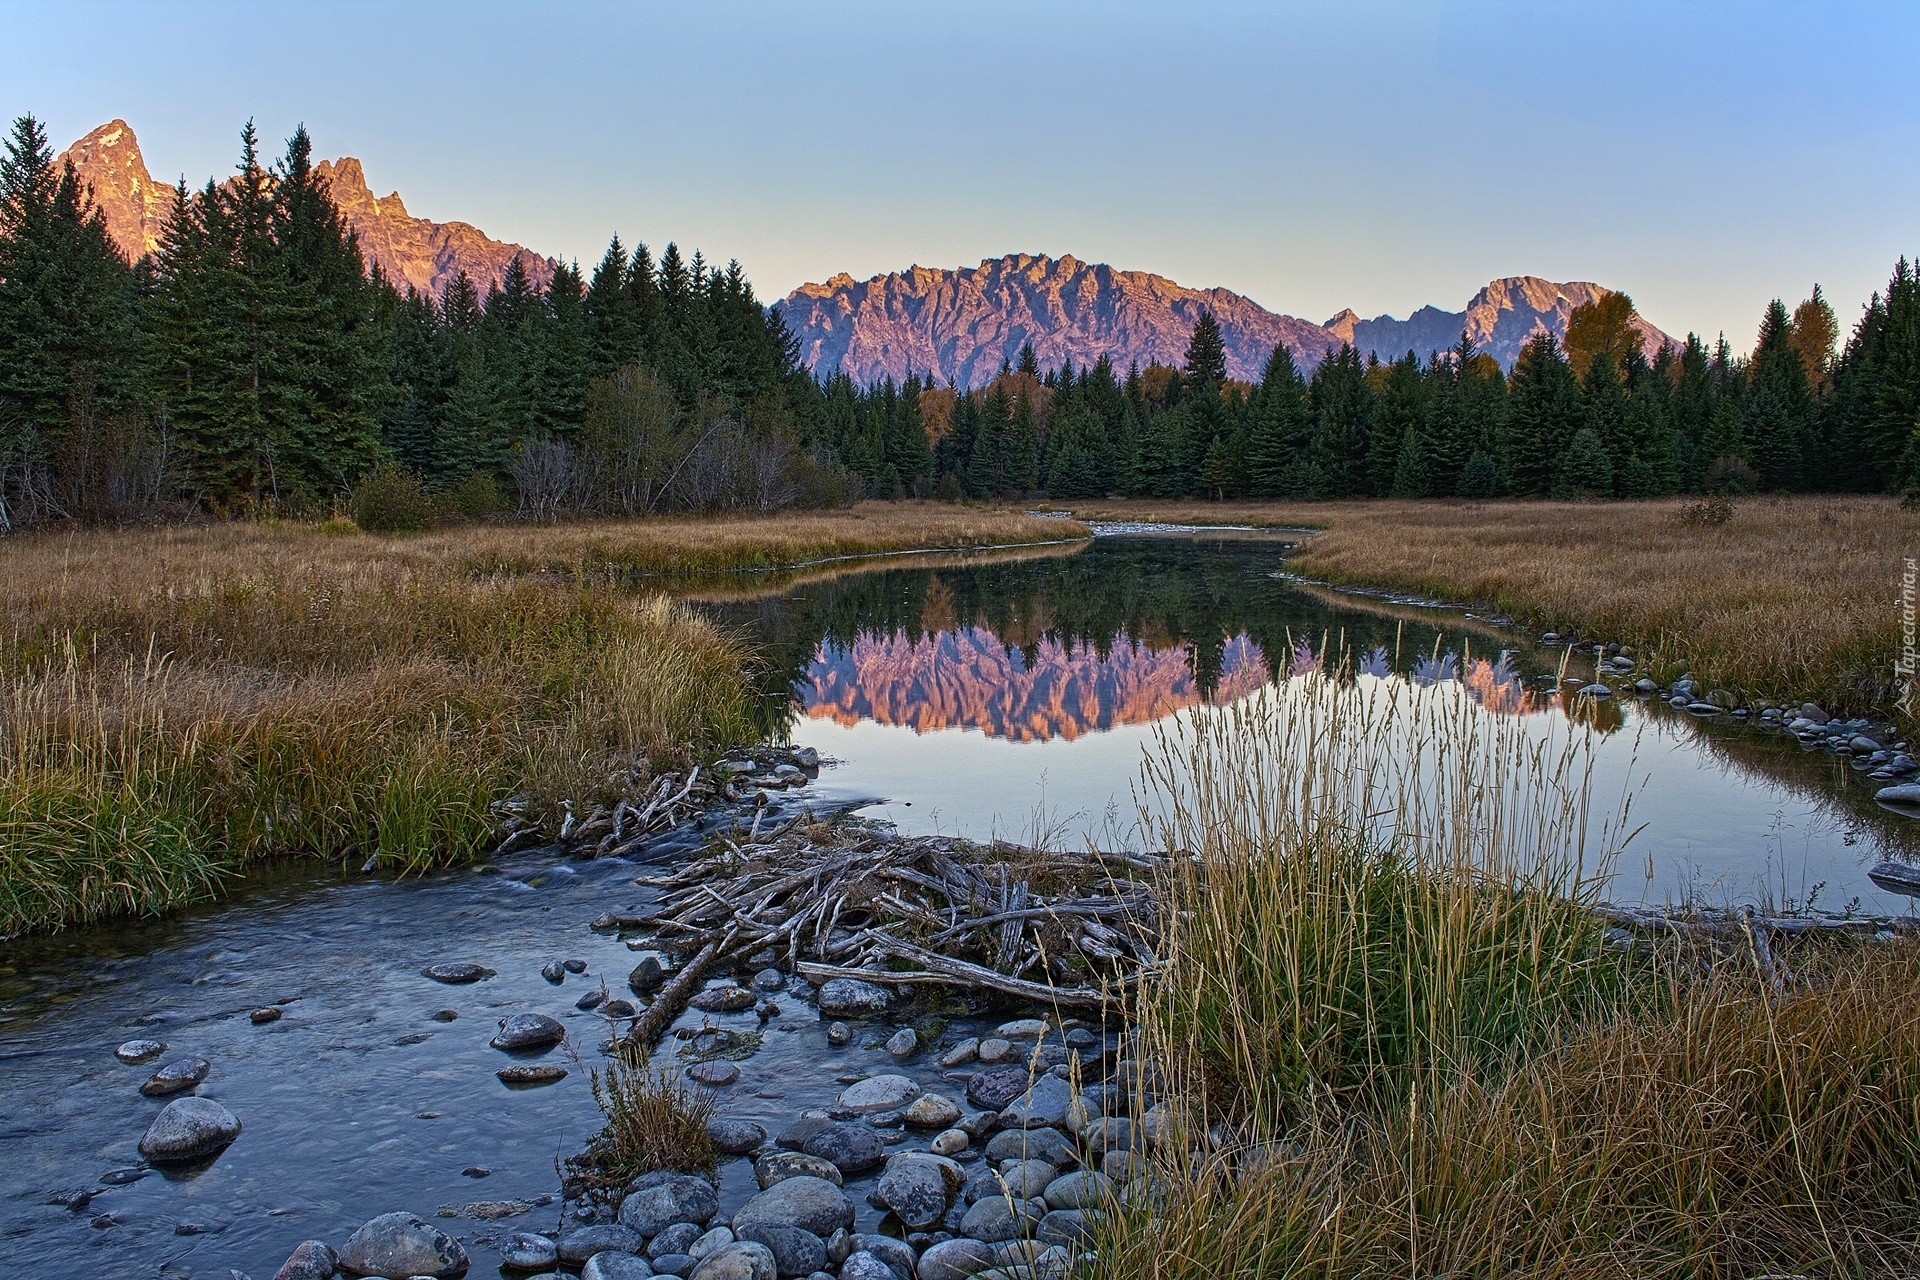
<point>1787,598</point>
<point>184,702</point>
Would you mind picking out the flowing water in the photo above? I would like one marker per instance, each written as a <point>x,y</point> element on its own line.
<point>998,693</point>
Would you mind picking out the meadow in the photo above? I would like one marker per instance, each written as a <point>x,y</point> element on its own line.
<point>1784,598</point>
<point>182,702</point>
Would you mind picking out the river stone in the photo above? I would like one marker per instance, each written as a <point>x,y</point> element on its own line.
<point>176,1077</point>
<point>916,1191</point>
<point>795,1252</point>
<point>994,1049</point>
<point>736,1137</point>
<point>839,1033</point>
<point>1045,1104</point>
<point>770,980</point>
<point>1083,1190</point>
<point>312,1260</point>
<point>931,1111</point>
<point>897,1254</point>
<point>271,1013</point>
<point>1022,1029</point>
<point>618,1008</point>
<point>553,972</point>
<point>1109,1133</point>
<point>849,1148</point>
<point>955,1260</point>
<point>742,1260</point>
<point>524,1031</point>
<point>657,1201</point>
<point>1065,1226</point>
<point>878,1093</point>
<point>778,1166</point>
<point>710,1242</point>
<point>992,1090</point>
<point>528,1251</point>
<point>863,1265</point>
<point>134,1052</point>
<point>1025,1179</point>
<point>964,1052</point>
<point>1903,794</point>
<point>647,976</point>
<point>904,1043</point>
<point>673,1264</point>
<point>188,1128</point>
<point>580,1243</point>
<point>615,1264</point>
<point>852,997</point>
<point>455,974</point>
<point>715,1074</point>
<point>950,1142</point>
<point>675,1239</point>
<point>812,1204</point>
<point>724,999</point>
<point>996,1218</point>
<point>1032,1144</point>
<point>402,1245</point>
<point>531,1073</point>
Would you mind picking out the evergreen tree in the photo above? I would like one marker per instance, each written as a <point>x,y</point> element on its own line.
<point>1543,415</point>
<point>1206,367</point>
<point>1279,427</point>
<point>1343,409</point>
<point>1778,423</point>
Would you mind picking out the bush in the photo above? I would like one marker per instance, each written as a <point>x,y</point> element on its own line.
<point>1715,509</point>
<point>654,1123</point>
<point>1586,471</point>
<point>1478,478</point>
<point>390,499</point>
<point>475,498</point>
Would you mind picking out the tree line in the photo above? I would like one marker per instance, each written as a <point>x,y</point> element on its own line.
<point>254,361</point>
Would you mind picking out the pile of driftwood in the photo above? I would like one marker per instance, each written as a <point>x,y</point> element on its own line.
<point>857,900</point>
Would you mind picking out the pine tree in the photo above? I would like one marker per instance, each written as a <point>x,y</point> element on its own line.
<point>1279,428</point>
<point>1585,469</point>
<point>1778,423</point>
<point>1022,448</point>
<point>1543,415</point>
<point>1206,367</point>
<point>1410,475</point>
<point>1343,410</point>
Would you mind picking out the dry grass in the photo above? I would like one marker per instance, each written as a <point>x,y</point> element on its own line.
<point>654,1123</point>
<point>1791,598</point>
<point>181,702</point>
<point>1429,1065</point>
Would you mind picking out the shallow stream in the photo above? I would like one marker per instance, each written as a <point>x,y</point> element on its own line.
<point>998,693</point>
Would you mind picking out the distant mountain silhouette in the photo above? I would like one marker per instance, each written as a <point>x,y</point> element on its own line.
<point>961,324</point>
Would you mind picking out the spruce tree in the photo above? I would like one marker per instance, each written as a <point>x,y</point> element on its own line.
<point>1543,415</point>
<point>1778,423</point>
<point>1279,426</point>
<point>1343,411</point>
<point>1206,366</point>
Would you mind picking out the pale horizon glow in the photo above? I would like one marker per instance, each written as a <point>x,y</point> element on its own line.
<point>1381,157</point>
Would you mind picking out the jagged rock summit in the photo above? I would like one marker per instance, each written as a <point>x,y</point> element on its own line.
<point>411,251</point>
<point>960,324</point>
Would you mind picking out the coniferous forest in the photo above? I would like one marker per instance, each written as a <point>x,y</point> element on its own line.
<point>254,362</point>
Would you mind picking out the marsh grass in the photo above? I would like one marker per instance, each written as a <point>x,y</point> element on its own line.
<point>654,1122</point>
<point>1406,1050</point>
<point>1783,598</point>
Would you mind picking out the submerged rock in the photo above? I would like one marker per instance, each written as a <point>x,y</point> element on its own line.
<point>187,1129</point>
<point>528,1031</point>
<point>134,1052</point>
<point>176,1077</point>
<point>532,1073</point>
<point>455,974</point>
<point>528,1251</point>
<point>715,1075</point>
<point>852,997</point>
<point>313,1260</point>
<point>647,976</point>
<point>736,1137</point>
<point>402,1245</point>
<point>879,1093</point>
<point>724,999</point>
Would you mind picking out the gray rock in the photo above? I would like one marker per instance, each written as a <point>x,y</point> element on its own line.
<point>1905,795</point>
<point>770,980</point>
<point>931,1111</point>
<point>528,1251</point>
<point>615,1264</point>
<point>839,1245</point>
<point>580,1243</point>
<point>1043,1105</point>
<point>715,1074</point>
<point>673,1264</point>
<point>955,1260</point>
<point>916,1190</point>
<point>456,974</point>
<point>524,1031</point>
<point>849,1148</point>
<point>134,1052</point>
<point>995,1218</point>
<point>724,999</point>
<point>531,1073</point>
<point>795,1252</point>
<point>839,1033</point>
<point>574,966</point>
<point>897,1254</point>
<point>312,1260</point>
<point>966,1051</point>
<point>675,1239</point>
<point>553,971</point>
<point>1123,1166</point>
<point>878,1093</point>
<point>1065,1226</point>
<point>402,1245</point>
<point>176,1077</point>
<point>1032,1144</point>
<point>904,1043</point>
<point>812,1204</point>
<point>741,1260</point>
<point>778,1166</point>
<point>659,1200</point>
<point>647,976</point>
<point>1593,691</point>
<point>862,1265</point>
<point>994,1049</point>
<point>950,1142</point>
<point>992,1090</point>
<point>187,1129</point>
<point>1083,1190</point>
<point>1109,1133</point>
<point>852,997</point>
<point>710,1242</point>
<point>736,1137</point>
<point>1025,1179</point>
<point>1022,1029</point>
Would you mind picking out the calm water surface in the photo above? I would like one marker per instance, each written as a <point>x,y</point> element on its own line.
<point>992,694</point>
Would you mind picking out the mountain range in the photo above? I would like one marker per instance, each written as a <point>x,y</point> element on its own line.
<point>961,324</point>
<point>958,324</point>
<point>411,251</point>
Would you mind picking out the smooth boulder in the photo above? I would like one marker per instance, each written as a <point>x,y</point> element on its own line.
<point>741,1260</point>
<point>849,1148</point>
<point>187,1129</point>
<point>528,1251</point>
<point>457,974</point>
<point>524,1031</point>
<point>917,1191</point>
<point>398,1246</point>
<point>1040,1107</point>
<point>992,1090</point>
<point>581,1243</point>
<point>176,1077</point>
<point>796,1251</point>
<point>812,1204</point>
<point>736,1137</point>
<point>616,1264</point>
<point>853,997</point>
<point>879,1093</point>
<point>312,1260</point>
<point>955,1260</point>
<point>660,1200</point>
<point>778,1166</point>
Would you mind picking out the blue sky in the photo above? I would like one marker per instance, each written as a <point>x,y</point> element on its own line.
<point>1383,156</point>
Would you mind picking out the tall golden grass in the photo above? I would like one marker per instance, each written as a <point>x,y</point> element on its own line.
<point>1397,1044</point>
<point>1793,597</point>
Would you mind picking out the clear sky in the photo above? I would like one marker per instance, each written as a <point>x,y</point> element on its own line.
<point>1705,158</point>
